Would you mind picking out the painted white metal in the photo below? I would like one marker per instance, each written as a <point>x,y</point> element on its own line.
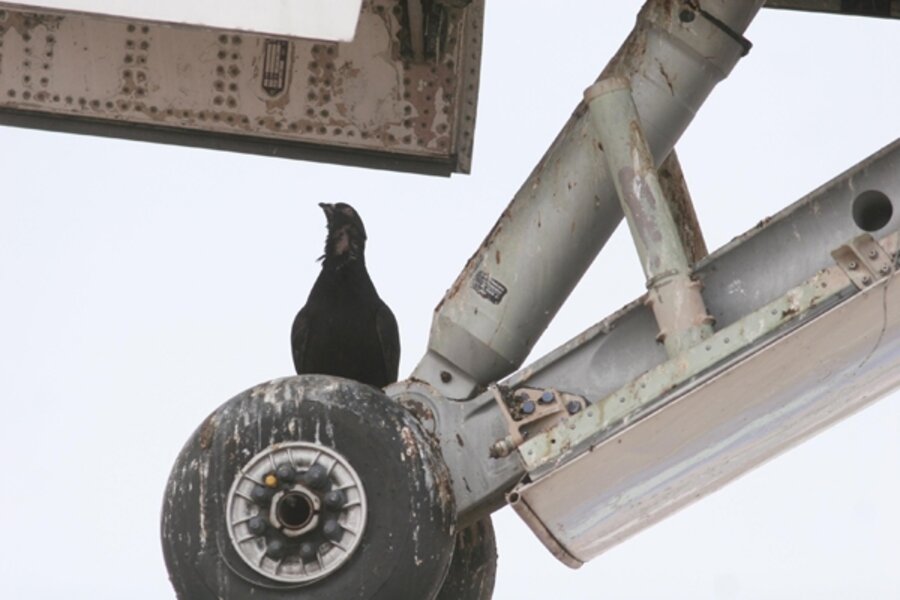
<point>333,20</point>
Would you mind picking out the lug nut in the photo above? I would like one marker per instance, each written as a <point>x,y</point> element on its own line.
<point>573,406</point>
<point>307,551</point>
<point>501,448</point>
<point>261,495</point>
<point>528,407</point>
<point>256,525</point>
<point>275,548</point>
<point>546,397</point>
<point>333,530</point>
<point>335,499</point>
<point>316,477</point>
<point>285,472</point>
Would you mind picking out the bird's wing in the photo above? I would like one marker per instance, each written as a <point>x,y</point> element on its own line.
<point>389,336</point>
<point>299,337</point>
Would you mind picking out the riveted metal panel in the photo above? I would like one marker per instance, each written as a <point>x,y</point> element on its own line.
<point>367,102</point>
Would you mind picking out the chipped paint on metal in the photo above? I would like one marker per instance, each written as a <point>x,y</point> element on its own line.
<point>361,96</point>
<point>569,198</point>
<point>550,449</point>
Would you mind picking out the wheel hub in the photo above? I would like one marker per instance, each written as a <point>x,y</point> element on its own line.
<point>296,512</point>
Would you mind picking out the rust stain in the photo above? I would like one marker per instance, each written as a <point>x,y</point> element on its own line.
<point>418,410</point>
<point>476,259</point>
<point>207,432</point>
<point>422,114</point>
<point>668,80</point>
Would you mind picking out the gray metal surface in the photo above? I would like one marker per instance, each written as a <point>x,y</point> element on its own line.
<point>749,272</point>
<point>566,210</point>
<point>673,296</point>
<point>466,431</point>
<point>822,372</point>
<point>788,279</point>
<point>761,285</point>
<point>366,102</point>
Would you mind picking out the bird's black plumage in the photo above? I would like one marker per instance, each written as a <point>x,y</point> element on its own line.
<point>345,329</point>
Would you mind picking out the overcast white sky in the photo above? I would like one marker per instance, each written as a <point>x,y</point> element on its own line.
<point>141,286</point>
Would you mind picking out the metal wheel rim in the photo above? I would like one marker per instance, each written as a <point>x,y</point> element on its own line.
<point>255,548</point>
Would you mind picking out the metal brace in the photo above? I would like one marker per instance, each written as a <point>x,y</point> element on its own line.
<point>528,411</point>
<point>864,261</point>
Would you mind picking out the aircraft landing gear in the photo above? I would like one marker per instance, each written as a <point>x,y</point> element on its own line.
<point>312,487</point>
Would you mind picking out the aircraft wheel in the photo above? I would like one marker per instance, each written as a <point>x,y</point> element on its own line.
<point>308,487</point>
<point>474,565</point>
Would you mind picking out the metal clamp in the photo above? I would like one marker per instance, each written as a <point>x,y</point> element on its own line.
<point>528,411</point>
<point>864,261</point>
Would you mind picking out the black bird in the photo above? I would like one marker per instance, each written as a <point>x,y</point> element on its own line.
<point>345,329</point>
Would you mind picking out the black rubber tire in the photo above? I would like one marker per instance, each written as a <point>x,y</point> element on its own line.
<point>473,569</point>
<point>407,543</point>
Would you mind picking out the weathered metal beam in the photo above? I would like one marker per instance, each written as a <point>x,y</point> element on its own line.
<point>702,439</point>
<point>760,287</point>
<point>659,433</point>
<point>674,297</point>
<point>671,178</point>
<point>566,210</point>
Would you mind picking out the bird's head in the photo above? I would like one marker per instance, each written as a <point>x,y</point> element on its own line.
<point>346,241</point>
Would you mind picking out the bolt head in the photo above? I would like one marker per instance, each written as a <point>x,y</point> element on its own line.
<point>261,495</point>
<point>316,477</point>
<point>573,406</point>
<point>333,530</point>
<point>528,407</point>
<point>275,548</point>
<point>307,551</point>
<point>686,16</point>
<point>256,525</point>
<point>335,499</point>
<point>546,397</point>
<point>285,473</point>
<point>446,377</point>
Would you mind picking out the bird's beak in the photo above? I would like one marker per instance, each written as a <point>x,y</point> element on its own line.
<point>328,208</point>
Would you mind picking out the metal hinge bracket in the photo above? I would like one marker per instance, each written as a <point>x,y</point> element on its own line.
<point>864,261</point>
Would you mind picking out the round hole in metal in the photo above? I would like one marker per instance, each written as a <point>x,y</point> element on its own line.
<point>294,510</point>
<point>872,210</point>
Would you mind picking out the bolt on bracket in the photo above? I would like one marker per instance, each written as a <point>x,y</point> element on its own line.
<point>529,411</point>
<point>864,261</point>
